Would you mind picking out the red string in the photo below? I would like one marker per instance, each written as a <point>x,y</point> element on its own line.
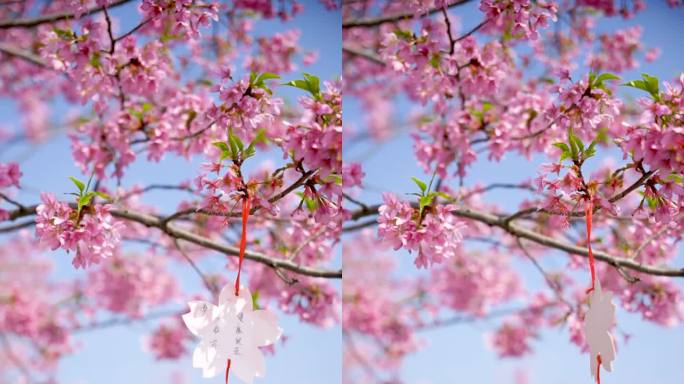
<point>589,210</point>
<point>227,369</point>
<point>598,370</point>
<point>243,245</point>
<point>243,241</point>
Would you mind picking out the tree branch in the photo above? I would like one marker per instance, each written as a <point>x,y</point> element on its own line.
<point>207,283</point>
<point>500,222</point>
<point>54,17</point>
<point>363,54</point>
<point>618,196</point>
<point>305,176</point>
<point>182,234</point>
<point>113,322</point>
<point>375,21</point>
<point>21,54</point>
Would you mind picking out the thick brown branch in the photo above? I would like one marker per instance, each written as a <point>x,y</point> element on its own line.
<point>182,234</point>
<point>179,233</point>
<point>497,221</point>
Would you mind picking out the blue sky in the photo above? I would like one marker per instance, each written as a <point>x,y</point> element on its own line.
<point>458,354</point>
<point>310,356</point>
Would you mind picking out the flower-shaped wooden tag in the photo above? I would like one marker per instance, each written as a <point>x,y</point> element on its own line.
<point>232,330</point>
<point>597,325</point>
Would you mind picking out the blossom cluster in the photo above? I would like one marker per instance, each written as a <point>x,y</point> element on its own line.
<point>93,234</point>
<point>659,134</point>
<point>436,236</point>
<point>168,341</point>
<point>522,18</point>
<point>129,284</point>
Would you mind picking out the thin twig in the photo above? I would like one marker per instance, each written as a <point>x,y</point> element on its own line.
<point>447,21</point>
<point>25,55</point>
<point>364,54</point>
<point>555,287</point>
<point>207,283</point>
<point>114,322</point>
<point>475,29</point>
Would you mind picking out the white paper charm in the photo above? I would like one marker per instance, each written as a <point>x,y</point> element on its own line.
<point>597,325</point>
<point>232,330</point>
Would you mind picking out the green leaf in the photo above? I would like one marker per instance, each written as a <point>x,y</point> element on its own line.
<point>404,34</point>
<point>675,177</point>
<point>608,76</point>
<point>562,146</point>
<point>314,83</point>
<point>591,150</point>
<point>102,195</point>
<point>574,151</point>
<point>258,139</point>
<point>137,114</point>
<point>578,142</point>
<point>232,143</point>
<point>420,184</point>
<point>337,179</point>
<point>301,84</point>
<point>424,202</point>
<point>255,299</point>
<point>95,60</point>
<point>221,145</point>
<point>311,204</point>
<point>79,184</point>
<point>486,106</point>
<point>310,84</point>
<point>598,82</point>
<point>259,81</point>
<point>639,84</point>
<point>65,34</point>
<point>649,84</point>
<point>605,76</point>
<point>444,196</point>
<point>266,76</point>
<point>84,200</point>
<point>235,143</point>
<point>652,84</point>
<point>434,60</point>
<point>225,151</point>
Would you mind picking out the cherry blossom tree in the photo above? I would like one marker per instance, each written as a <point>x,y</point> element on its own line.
<point>192,82</point>
<point>470,82</point>
<point>158,82</point>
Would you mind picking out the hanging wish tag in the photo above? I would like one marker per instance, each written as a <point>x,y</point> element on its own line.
<point>597,325</point>
<point>232,331</point>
